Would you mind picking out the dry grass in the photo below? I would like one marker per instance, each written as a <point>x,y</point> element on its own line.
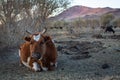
<point>12,34</point>
<point>101,51</point>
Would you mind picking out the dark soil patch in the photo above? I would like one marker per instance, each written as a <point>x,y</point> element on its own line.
<point>99,36</point>
<point>79,50</point>
<point>105,66</point>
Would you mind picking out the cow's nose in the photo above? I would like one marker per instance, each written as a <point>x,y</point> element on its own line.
<point>36,55</point>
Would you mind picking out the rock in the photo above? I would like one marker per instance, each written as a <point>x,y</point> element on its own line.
<point>104,52</point>
<point>86,53</point>
<point>96,73</point>
<point>78,47</point>
<point>62,68</point>
<point>64,51</point>
<point>105,66</point>
<point>73,49</point>
<point>59,48</point>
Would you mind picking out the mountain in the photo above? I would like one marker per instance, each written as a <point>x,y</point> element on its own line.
<point>85,12</point>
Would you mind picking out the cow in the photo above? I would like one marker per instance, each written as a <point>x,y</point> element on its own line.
<point>109,29</point>
<point>38,52</point>
<point>33,50</point>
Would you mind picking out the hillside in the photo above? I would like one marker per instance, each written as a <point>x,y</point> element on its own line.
<point>85,12</point>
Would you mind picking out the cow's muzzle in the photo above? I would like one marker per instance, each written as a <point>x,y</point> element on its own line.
<point>36,55</point>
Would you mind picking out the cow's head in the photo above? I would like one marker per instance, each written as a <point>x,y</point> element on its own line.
<point>37,45</point>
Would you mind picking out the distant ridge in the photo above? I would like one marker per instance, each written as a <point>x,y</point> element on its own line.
<point>85,12</point>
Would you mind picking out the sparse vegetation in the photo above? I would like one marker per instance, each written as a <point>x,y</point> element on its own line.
<point>116,22</point>
<point>84,51</point>
<point>106,19</point>
<point>18,15</point>
<point>81,58</point>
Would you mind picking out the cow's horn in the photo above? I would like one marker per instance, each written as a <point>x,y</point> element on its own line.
<point>28,32</point>
<point>44,30</point>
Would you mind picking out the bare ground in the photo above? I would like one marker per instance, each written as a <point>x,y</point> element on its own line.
<point>79,58</point>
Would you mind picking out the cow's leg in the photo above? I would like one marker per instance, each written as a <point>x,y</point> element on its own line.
<point>34,65</point>
<point>44,68</point>
<point>113,31</point>
<point>42,65</point>
<point>53,64</point>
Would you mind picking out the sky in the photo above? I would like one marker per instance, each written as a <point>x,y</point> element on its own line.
<point>97,3</point>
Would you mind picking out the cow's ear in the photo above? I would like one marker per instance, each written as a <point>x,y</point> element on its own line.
<point>28,39</point>
<point>46,38</point>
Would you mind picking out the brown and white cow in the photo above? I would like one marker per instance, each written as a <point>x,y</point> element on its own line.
<point>38,52</point>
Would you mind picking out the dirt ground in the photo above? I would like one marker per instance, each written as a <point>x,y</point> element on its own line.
<point>85,57</point>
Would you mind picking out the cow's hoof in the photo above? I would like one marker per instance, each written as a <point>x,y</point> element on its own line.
<point>44,68</point>
<point>39,70</point>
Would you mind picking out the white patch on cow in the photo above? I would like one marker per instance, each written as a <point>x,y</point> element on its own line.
<point>51,63</point>
<point>26,64</point>
<point>36,66</point>
<point>37,37</point>
<point>44,68</point>
<point>19,52</point>
<point>28,60</point>
<point>56,64</point>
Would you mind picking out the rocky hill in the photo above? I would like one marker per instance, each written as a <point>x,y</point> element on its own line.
<point>85,12</point>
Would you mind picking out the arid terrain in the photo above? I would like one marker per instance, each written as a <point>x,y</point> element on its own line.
<point>83,57</point>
